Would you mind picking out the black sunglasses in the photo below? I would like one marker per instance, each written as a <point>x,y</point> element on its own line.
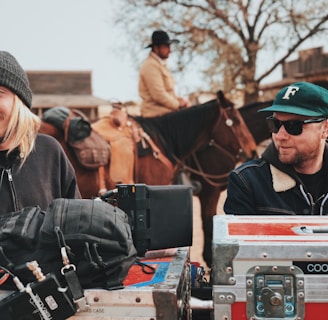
<point>293,127</point>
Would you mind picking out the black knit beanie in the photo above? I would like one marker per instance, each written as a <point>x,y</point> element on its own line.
<point>13,77</point>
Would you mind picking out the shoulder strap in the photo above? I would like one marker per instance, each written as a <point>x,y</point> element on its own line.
<point>68,271</point>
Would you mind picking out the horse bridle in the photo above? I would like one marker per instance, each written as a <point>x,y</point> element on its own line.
<point>229,123</point>
<point>210,178</point>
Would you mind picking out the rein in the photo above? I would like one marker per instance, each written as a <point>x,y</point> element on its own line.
<point>206,176</point>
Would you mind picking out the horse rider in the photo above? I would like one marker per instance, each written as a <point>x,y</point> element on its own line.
<point>156,82</point>
<point>156,89</point>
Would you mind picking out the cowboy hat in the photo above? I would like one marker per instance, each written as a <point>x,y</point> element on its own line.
<point>160,37</point>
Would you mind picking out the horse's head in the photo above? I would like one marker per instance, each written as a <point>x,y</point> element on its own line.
<point>231,133</point>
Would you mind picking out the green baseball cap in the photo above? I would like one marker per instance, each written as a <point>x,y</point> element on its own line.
<point>302,98</point>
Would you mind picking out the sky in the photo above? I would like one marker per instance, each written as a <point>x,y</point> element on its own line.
<point>74,35</point>
<point>70,35</point>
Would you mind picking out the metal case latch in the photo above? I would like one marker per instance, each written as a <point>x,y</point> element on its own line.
<point>275,292</point>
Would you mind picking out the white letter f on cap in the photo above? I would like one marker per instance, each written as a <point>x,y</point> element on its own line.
<point>290,91</point>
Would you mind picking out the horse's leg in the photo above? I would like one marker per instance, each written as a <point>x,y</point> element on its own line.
<point>208,198</point>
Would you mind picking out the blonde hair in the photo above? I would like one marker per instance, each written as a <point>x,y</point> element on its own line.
<point>22,129</point>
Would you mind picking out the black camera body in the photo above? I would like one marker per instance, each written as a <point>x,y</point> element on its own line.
<point>48,300</point>
<point>160,216</point>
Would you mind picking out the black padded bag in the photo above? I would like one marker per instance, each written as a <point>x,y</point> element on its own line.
<point>19,235</point>
<point>97,237</point>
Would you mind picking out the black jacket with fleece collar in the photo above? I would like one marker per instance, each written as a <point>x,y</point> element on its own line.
<point>47,174</point>
<point>267,187</point>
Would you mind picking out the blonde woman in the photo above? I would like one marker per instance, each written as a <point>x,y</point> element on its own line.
<point>34,169</point>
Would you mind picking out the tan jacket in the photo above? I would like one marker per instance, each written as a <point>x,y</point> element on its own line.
<point>156,88</point>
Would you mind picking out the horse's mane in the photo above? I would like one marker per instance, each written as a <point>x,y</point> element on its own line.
<point>250,113</point>
<point>256,120</point>
<point>179,130</point>
<point>256,105</point>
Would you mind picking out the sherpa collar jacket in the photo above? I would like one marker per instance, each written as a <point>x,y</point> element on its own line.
<point>267,187</point>
<point>47,174</point>
<point>156,88</point>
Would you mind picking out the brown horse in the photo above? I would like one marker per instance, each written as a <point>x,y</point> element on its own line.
<point>178,135</point>
<point>211,174</point>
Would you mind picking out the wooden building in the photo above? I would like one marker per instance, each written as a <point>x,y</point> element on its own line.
<point>72,89</point>
<point>311,65</point>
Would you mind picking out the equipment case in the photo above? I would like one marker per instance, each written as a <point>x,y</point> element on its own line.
<point>270,267</point>
<point>163,295</point>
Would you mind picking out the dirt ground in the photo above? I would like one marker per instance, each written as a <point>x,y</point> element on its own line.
<point>196,249</point>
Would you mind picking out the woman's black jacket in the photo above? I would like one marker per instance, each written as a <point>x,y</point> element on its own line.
<point>47,174</point>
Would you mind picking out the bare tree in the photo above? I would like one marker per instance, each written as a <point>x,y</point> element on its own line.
<point>223,38</point>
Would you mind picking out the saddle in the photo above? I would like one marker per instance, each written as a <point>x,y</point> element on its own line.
<point>124,136</point>
<point>117,131</point>
<point>128,142</point>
